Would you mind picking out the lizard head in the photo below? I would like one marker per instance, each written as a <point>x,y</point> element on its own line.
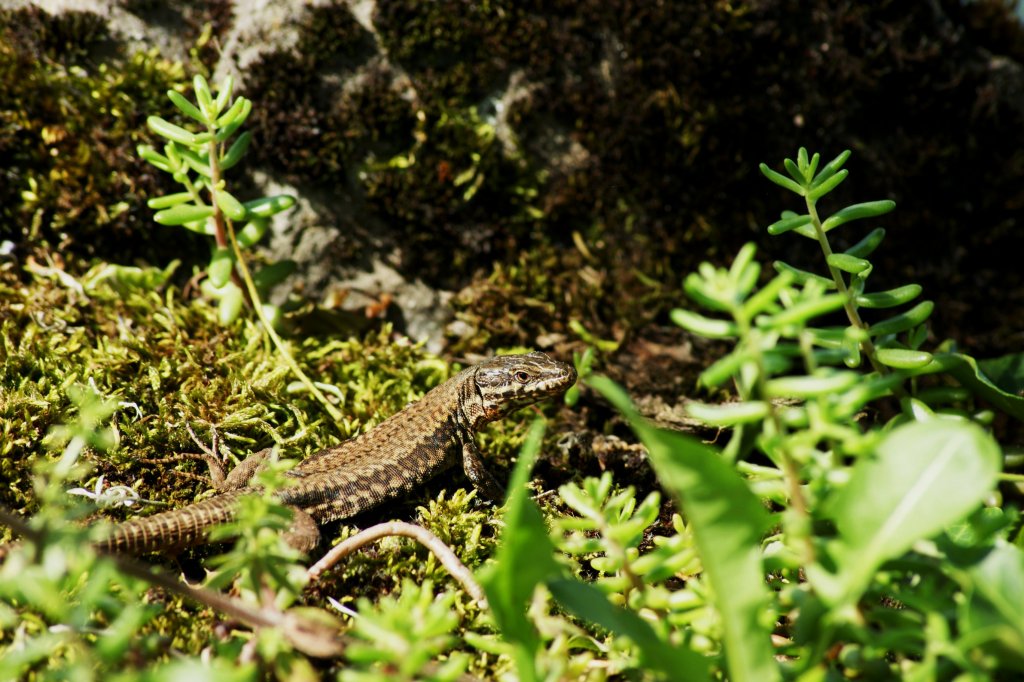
<point>508,382</point>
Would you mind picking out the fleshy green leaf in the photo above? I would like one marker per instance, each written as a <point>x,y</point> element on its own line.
<point>802,276</point>
<point>704,326</point>
<point>848,263</point>
<point>820,384</point>
<point>903,358</point>
<point>170,131</point>
<point>231,206</point>
<point>265,207</point>
<point>787,224</point>
<point>236,151</point>
<point>781,180</point>
<point>728,414</point>
<point>183,213</point>
<point>827,186</point>
<point>168,200</point>
<point>904,321</point>
<point>186,107</point>
<point>890,298</point>
<point>865,247</point>
<point>222,264</point>
<point>868,209</point>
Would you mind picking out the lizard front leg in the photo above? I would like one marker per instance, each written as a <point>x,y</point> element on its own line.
<point>482,479</point>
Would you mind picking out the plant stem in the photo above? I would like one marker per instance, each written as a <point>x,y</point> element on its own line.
<point>848,304</point>
<point>242,278</point>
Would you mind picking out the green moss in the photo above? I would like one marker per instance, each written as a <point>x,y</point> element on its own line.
<point>73,111</point>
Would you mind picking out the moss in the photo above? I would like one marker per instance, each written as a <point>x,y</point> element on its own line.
<point>171,364</point>
<point>73,111</point>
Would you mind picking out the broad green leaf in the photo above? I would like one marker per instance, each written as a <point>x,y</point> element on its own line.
<point>967,371</point>
<point>1006,372</point>
<point>524,559</point>
<point>992,616</point>
<point>728,522</point>
<point>924,477</point>
<point>589,603</point>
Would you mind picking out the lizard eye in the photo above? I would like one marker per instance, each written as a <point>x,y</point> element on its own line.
<point>521,376</point>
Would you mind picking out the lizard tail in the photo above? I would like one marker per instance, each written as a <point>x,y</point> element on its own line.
<point>171,529</point>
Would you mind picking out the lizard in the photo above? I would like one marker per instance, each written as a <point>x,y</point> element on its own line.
<point>409,447</point>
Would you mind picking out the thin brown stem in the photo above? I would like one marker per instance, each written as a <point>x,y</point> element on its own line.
<point>442,551</point>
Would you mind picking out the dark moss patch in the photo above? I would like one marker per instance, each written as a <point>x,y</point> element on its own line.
<point>72,113</point>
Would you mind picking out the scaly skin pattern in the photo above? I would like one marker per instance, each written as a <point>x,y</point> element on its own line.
<point>389,461</point>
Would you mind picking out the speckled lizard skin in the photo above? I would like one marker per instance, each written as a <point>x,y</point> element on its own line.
<point>388,461</point>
